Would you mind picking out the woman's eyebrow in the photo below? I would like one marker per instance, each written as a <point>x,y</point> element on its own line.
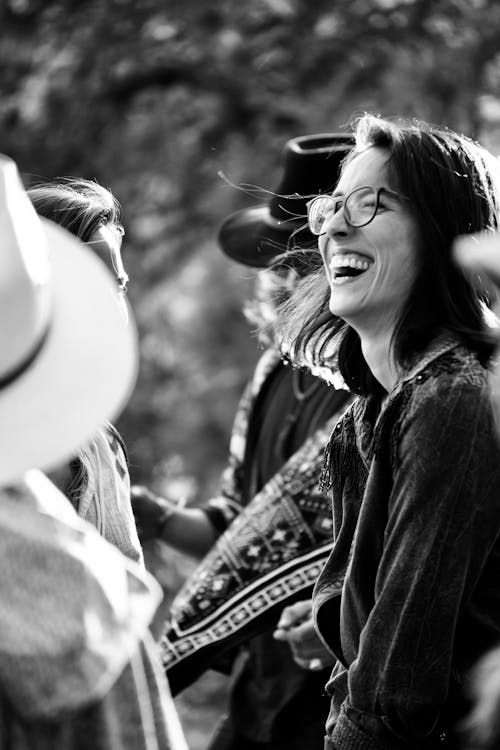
<point>392,194</point>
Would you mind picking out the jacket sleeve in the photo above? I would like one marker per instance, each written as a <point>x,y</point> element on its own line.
<point>223,508</point>
<point>442,523</point>
<point>228,503</point>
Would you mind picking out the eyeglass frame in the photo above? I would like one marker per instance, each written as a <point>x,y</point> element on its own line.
<point>343,201</point>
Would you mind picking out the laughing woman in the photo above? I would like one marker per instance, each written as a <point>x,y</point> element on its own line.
<point>409,598</point>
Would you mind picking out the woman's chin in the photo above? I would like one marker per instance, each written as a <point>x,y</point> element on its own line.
<point>341,308</point>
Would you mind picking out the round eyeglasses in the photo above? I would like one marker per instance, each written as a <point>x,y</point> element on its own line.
<point>360,207</point>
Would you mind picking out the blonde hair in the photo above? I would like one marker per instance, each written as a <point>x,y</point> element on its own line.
<point>79,205</point>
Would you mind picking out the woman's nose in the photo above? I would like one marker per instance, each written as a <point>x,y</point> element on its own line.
<point>336,224</point>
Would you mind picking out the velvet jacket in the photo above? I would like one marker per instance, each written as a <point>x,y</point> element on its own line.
<point>410,595</point>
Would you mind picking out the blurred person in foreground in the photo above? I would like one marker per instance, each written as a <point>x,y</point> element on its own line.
<point>266,535</point>
<point>479,254</point>
<point>78,668</point>
<point>96,479</point>
<point>409,598</point>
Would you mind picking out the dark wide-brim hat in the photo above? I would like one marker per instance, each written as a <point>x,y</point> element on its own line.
<point>256,236</point>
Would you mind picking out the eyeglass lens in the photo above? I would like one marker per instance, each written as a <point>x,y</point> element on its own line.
<point>360,207</point>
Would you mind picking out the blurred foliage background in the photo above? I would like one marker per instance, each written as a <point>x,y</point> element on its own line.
<point>153,99</point>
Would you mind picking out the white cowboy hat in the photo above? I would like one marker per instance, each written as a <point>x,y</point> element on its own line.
<point>68,356</point>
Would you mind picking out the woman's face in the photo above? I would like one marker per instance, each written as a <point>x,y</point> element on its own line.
<point>370,269</point>
<point>106,242</point>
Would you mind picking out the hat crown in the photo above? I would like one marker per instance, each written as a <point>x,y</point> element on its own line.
<point>25,297</point>
<point>255,236</point>
<point>311,166</point>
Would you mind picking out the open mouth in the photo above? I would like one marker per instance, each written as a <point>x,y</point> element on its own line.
<point>347,267</point>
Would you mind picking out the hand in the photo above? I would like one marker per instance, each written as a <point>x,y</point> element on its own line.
<point>151,512</point>
<point>291,617</point>
<point>296,627</point>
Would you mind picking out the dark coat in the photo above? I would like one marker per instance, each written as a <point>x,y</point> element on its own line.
<point>416,506</point>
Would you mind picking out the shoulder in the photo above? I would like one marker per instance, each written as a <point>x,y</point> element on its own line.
<point>266,364</point>
<point>455,374</point>
<point>448,395</point>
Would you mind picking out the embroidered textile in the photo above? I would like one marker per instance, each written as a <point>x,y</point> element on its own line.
<point>271,554</point>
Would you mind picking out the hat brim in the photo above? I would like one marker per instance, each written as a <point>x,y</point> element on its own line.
<point>83,373</point>
<point>253,237</point>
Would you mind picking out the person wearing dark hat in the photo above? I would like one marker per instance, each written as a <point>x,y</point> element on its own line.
<point>78,667</point>
<point>264,536</point>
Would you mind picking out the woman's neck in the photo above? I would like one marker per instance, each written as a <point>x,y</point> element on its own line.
<point>379,355</point>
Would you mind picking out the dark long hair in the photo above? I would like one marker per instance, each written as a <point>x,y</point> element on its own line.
<point>453,187</point>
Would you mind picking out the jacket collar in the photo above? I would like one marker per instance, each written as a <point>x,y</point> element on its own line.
<point>369,413</point>
<point>443,343</point>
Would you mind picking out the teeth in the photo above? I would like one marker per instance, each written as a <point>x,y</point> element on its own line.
<point>348,262</point>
